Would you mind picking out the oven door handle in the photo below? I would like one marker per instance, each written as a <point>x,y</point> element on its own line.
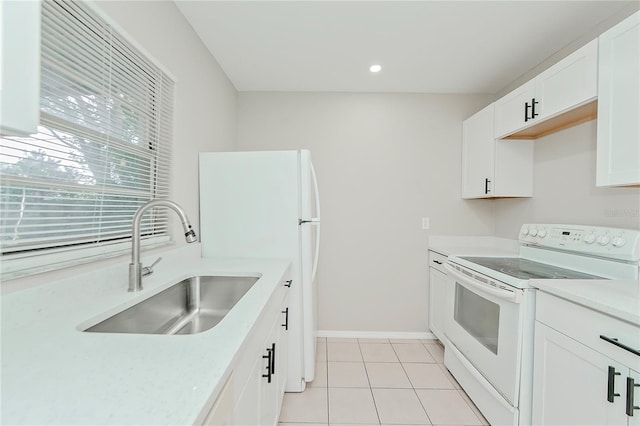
<point>503,294</point>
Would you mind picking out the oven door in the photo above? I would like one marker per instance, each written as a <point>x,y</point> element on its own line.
<point>484,323</point>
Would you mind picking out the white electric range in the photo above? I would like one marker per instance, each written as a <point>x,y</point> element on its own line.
<point>491,308</point>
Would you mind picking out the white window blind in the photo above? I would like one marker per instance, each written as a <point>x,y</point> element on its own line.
<point>103,145</point>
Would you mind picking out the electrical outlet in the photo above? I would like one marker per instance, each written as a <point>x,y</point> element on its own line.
<point>425,223</point>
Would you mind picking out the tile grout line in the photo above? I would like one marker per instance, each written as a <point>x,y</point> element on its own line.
<point>441,366</point>
<point>369,381</point>
<point>411,383</point>
<point>459,391</point>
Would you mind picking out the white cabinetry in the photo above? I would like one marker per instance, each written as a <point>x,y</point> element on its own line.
<point>513,109</point>
<point>618,152</point>
<point>260,373</point>
<point>580,378</point>
<point>437,293</point>
<point>562,88</point>
<point>222,411</point>
<point>492,168</point>
<point>19,67</point>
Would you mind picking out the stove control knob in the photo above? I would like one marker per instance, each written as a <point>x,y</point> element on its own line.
<point>533,232</point>
<point>542,233</point>
<point>589,238</point>
<point>603,240</point>
<point>618,241</point>
<point>525,231</point>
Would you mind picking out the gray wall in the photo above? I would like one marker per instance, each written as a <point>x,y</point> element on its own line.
<point>565,188</point>
<point>384,161</point>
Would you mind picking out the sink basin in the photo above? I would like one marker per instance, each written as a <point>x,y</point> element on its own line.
<point>191,306</point>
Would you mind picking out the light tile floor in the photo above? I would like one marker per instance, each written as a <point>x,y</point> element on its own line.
<point>380,381</point>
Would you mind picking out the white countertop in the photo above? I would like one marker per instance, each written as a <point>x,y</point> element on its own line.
<point>473,246</point>
<point>53,373</point>
<point>617,298</point>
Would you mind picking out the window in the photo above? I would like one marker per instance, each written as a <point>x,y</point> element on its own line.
<point>102,147</point>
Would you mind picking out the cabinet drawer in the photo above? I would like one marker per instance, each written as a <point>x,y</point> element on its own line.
<point>437,260</point>
<point>586,326</point>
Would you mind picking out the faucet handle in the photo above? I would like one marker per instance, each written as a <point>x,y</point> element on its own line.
<point>148,270</point>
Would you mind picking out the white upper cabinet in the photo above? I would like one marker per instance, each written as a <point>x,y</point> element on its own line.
<point>512,110</point>
<point>493,168</point>
<point>569,83</point>
<point>618,152</point>
<point>19,67</point>
<point>545,104</point>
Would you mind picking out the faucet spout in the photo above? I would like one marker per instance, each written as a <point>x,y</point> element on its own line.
<point>136,271</point>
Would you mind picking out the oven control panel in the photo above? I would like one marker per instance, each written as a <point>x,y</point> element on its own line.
<point>617,243</point>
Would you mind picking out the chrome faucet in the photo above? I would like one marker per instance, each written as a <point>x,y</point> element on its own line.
<point>136,270</point>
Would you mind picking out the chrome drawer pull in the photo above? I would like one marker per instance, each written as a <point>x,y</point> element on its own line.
<point>614,341</point>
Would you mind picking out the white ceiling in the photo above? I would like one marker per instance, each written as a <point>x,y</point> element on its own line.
<point>423,46</point>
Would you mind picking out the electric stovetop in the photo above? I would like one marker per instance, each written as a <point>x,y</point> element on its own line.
<point>527,269</point>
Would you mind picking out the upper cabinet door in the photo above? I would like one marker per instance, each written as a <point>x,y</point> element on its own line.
<point>618,152</point>
<point>493,168</point>
<point>19,67</point>
<point>553,100</point>
<point>513,110</point>
<point>570,83</point>
<point>478,155</point>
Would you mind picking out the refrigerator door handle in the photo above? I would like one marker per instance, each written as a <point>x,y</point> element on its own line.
<point>314,178</point>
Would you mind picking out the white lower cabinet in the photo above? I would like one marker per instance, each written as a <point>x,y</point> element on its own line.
<point>580,378</point>
<point>260,373</point>
<point>571,381</point>
<point>437,293</point>
<point>222,411</point>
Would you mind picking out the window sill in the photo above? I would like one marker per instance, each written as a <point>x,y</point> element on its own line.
<point>23,265</point>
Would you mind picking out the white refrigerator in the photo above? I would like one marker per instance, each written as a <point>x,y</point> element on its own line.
<point>266,204</point>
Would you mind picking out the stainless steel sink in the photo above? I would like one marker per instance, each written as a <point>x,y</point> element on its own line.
<point>191,306</point>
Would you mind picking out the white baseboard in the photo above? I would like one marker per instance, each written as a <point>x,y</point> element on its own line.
<point>377,334</point>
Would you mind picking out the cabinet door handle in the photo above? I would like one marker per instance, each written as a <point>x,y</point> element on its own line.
<point>534,114</point>
<point>631,386</point>
<point>273,358</point>
<point>268,357</point>
<point>437,262</point>
<point>611,384</point>
<point>526,112</point>
<point>286,319</point>
<point>486,185</point>
<point>614,341</point>
<point>288,283</point>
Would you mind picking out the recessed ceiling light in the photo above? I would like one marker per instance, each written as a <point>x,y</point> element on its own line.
<point>375,68</point>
